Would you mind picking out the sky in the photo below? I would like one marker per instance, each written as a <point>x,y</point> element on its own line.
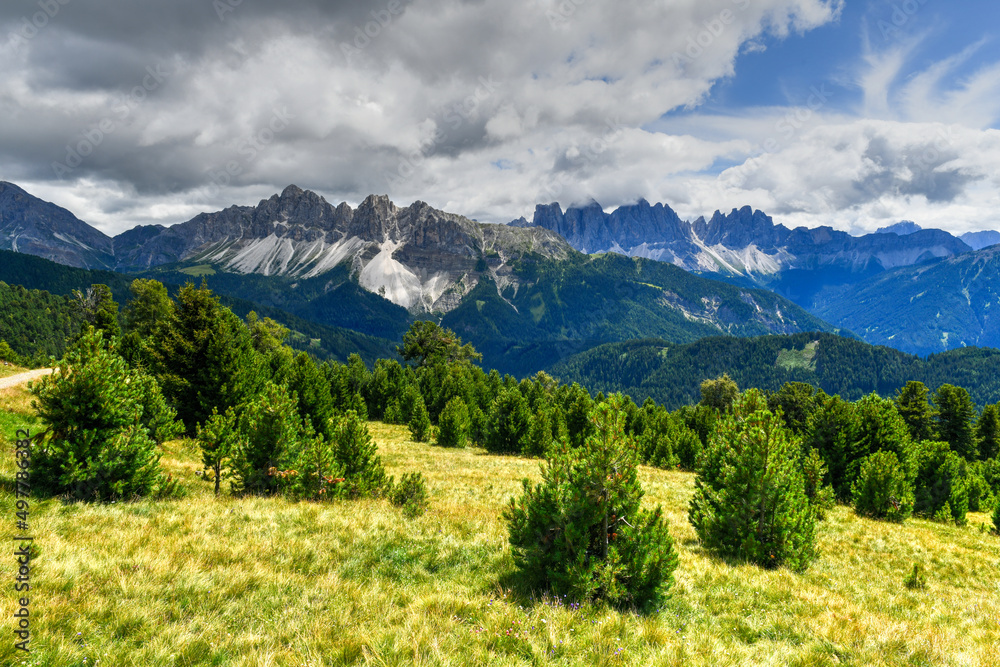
<point>854,114</point>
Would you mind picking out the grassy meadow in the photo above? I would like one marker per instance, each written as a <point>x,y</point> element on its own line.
<point>264,581</point>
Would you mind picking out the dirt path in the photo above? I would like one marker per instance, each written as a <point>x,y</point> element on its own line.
<point>21,378</point>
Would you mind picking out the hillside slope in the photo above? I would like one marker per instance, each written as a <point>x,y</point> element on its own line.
<point>924,309</point>
<point>672,374</point>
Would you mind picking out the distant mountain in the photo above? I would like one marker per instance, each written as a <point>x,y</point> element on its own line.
<point>924,309</point>
<point>745,246</point>
<point>36,227</point>
<point>672,374</point>
<point>51,284</point>
<point>522,295</point>
<point>980,240</point>
<point>900,228</point>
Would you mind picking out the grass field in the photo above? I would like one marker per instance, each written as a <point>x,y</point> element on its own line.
<point>201,581</point>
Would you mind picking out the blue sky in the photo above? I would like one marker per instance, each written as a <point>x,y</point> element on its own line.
<point>849,113</point>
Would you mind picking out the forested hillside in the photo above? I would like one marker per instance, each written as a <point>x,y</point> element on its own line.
<point>57,282</point>
<point>671,374</point>
<point>34,323</point>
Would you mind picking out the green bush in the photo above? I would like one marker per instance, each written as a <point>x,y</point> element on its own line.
<point>916,580</point>
<point>814,472</point>
<point>453,424</point>
<point>749,500</point>
<point>410,494</point>
<point>996,519</point>
<point>420,422</point>
<point>508,424</point>
<point>882,490</point>
<point>269,436</point>
<point>9,355</point>
<point>941,482</point>
<point>97,445</point>
<point>581,532</point>
<point>356,454</point>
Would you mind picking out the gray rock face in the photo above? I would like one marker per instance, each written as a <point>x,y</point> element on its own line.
<point>901,228</point>
<point>743,243</point>
<point>417,257</point>
<point>980,240</point>
<point>36,227</point>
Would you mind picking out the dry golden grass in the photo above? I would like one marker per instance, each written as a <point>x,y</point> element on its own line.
<point>7,371</point>
<point>205,581</point>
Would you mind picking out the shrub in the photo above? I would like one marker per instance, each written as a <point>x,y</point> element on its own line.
<point>581,532</point>
<point>420,422</point>
<point>356,454</point>
<point>941,483</point>
<point>882,490</point>
<point>319,475</point>
<point>218,439</point>
<point>453,424</point>
<point>749,499</point>
<point>410,494</point>
<point>508,424</point>
<point>269,434</point>
<point>916,580</point>
<point>97,445</point>
<point>996,519</point>
<point>814,472</point>
<point>393,413</point>
<point>9,355</point>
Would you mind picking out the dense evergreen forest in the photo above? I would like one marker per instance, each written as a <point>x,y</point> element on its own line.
<point>671,374</point>
<point>22,324</point>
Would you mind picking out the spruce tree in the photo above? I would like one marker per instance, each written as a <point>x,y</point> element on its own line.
<point>750,501</point>
<point>581,531</point>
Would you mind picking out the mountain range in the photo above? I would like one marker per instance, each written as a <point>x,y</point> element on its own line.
<point>513,289</point>
<point>522,295</point>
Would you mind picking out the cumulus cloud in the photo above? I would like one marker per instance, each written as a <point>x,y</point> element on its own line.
<point>130,113</point>
<point>485,107</point>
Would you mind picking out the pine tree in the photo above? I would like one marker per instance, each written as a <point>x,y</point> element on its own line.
<point>988,433</point>
<point>883,489</point>
<point>357,456</point>
<point>911,401</point>
<point>581,532</point>
<point>453,425</point>
<point>420,422</point>
<point>956,412</point>
<point>509,423</point>
<point>719,393</point>
<point>829,431</point>
<point>749,499</point>
<point>218,439</point>
<point>96,446</point>
<point>941,480</point>
<point>270,434</point>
